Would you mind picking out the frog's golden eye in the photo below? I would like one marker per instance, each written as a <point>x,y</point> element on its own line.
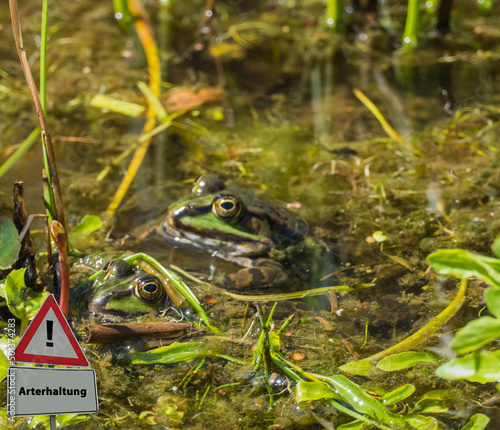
<point>149,289</point>
<point>117,268</point>
<point>227,207</point>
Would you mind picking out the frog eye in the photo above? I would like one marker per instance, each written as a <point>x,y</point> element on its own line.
<point>117,267</point>
<point>227,207</point>
<point>149,289</point>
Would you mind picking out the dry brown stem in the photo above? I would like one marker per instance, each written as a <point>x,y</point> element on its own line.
<point>47,141</point>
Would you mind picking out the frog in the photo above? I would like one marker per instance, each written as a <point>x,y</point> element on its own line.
<point>124,290</point>
<point>275,247</point>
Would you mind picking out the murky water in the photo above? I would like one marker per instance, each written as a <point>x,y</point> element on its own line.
<point>290,128</point>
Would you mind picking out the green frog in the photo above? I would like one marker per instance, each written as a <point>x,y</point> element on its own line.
<point>124,290</point>
<point>275,247</point>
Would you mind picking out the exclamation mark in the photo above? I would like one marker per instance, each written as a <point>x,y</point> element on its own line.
<point>50,326</point>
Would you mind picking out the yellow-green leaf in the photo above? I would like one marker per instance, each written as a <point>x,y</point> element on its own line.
<point>404,360</point>
<point>477,422</point>
<point>475,334</point>
<point>479,367</point>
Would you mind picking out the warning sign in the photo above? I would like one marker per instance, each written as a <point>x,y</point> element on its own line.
<point>49,339</point>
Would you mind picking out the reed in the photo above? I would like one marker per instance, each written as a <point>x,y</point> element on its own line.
<point>334,12</point>
<point>410,36</point>
<point>55,199</point>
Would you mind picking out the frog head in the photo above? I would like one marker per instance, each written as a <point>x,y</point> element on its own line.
<point>237,224</point>
<point>124,290</point>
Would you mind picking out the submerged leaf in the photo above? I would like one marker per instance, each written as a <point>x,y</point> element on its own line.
<point>361,367</point>
<point>189,98</point>
<point>429,406</point>
<point>438,395</point>
<point>422,422</point>
<point>86,227</point>
<point>404,360</point>
<point>178,352</point>
<point>464,264</point>
<point>476,334</point>
<point>9,243</point>
<point>479,367</point>
<point>477,422</point>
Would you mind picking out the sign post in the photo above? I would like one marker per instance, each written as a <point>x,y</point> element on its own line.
<point>48,390</point>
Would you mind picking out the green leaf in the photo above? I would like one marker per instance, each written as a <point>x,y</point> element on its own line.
<point>496,247</point>
<point>477,422</point>
<point>438,395</point>
<point>4,365</point>
<point>404,360</point>
<point>361,367</point>
<point>479,367</point>
<point>178,352</point>
<point>86,227</point>
<point>362,402</point>
<point>20,306</point>
<point>429,406</point>
<point>13,289</point>
<point>353,425</point>
<point>435,401</point>
<point>492,297</point>
<point>476,334</point>
<point>422,422</point>
<point>464,264</point>
<point>397,395</point>
<point>312,391</point>
<point>9,244</point>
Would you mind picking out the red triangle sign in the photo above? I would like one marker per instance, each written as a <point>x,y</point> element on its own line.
<point>49,339</point>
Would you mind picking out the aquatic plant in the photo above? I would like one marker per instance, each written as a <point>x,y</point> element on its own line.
<point>410,35</point>
<point>482,366</point>
<point>334,12</point>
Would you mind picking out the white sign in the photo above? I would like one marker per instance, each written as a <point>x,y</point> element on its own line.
<point>51,391</point>
<point>49,339</point>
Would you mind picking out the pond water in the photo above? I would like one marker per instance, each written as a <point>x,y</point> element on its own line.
<point>278,117</point>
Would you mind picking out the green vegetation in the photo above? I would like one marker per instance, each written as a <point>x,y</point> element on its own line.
<point>143,97</point>
<point>482,366</point>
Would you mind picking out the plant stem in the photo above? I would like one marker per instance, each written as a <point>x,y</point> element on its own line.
<point>334,9</point>
<point>52,171</point>
<point>410,38</point>
<point>43,55</point>
<point>145,34</point>
<point>383,122</point>
<point>61,239</point>
<point>425,332</point>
